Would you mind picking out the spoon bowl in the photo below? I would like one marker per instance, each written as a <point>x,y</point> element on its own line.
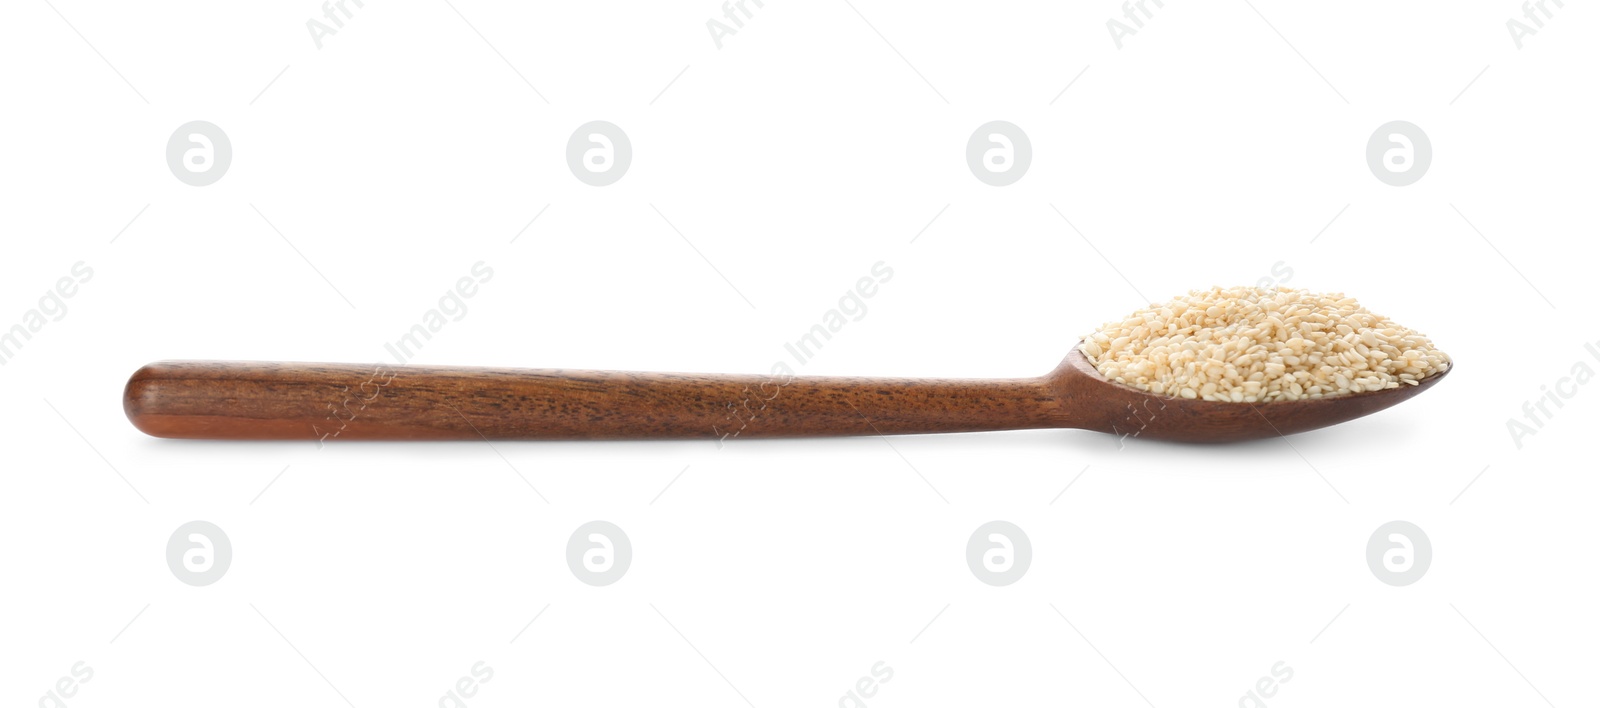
<point>1092,402</point>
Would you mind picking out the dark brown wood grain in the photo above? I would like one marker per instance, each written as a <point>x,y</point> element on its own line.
<point>331,402</point>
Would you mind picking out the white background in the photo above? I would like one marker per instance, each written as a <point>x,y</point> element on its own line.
<point>807,148</point>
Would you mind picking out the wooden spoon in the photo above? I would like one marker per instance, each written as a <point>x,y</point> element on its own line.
<point>220,400</point>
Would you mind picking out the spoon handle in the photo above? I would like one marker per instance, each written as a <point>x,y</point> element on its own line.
<point>326,402</point>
